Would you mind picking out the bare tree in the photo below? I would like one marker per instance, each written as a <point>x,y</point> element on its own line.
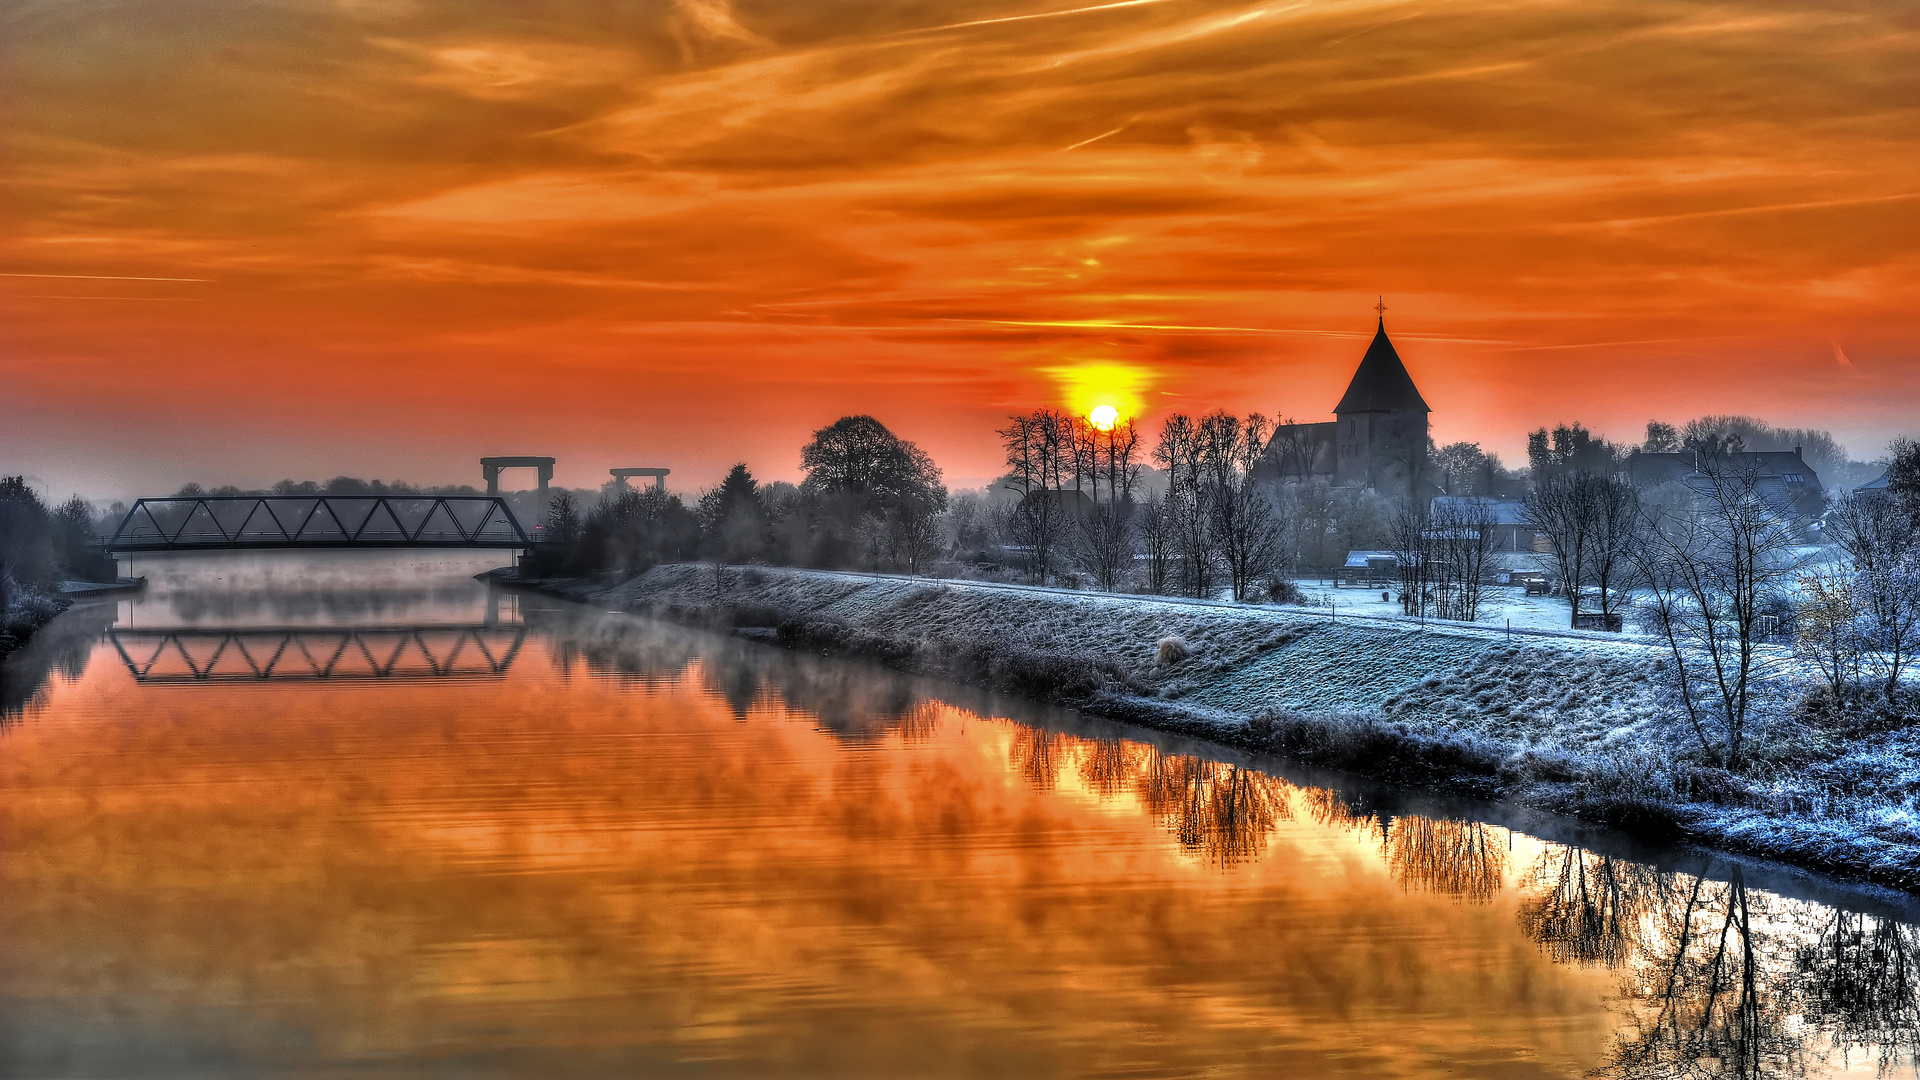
<point>1103,532</point>
<point>1460,545</point>
<point>1103,542</point>
<point>1711,575</point>
<point>1243,522</point>
<point>1824,631</point>
<point>1292,449</point>
<point>1881,538</point>
<point>1182,452</point>
<point>1889,621</point>
<point>1159,543</point>
<point>1041,454</point>
<point>1591,519</point>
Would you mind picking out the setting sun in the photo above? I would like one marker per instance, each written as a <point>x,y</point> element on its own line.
<point>1104,417</point>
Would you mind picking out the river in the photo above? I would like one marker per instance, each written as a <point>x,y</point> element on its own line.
<point>361,816</point>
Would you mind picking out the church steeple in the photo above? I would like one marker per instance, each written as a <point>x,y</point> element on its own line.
<point>1381,384</point>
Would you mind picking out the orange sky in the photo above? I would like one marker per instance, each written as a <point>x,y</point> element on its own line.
<point>396,236</point>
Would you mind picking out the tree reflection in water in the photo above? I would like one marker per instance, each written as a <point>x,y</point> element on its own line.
<point>1109,766</point>
<point>1037,755</point>
<point>1592,909</point>
<point>1717,980</point>
<point>1860,977</point>
<point>1718,1003</point>
<point>62,647</point>
<point>1724,981</point>
<point>1461,859</point>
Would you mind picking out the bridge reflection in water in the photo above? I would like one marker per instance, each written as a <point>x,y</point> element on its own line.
<point>193,654</point>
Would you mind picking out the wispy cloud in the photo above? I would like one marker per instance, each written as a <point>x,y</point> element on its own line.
<point>1694,201</point>
<point>101,277</point>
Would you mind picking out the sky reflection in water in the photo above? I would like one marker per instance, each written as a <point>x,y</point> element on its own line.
<point>638,848</point>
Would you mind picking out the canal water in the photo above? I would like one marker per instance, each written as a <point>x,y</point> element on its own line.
<point>353,816</point>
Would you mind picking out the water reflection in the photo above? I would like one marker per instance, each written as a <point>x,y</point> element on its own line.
<point>682,848</point>
<point>1722,980</point>
<point>61,649</point>
<point>1719,980</point>
<point>1591,909</point>
<point>312,653</point>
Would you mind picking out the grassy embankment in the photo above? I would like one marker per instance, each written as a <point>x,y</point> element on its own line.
<point>1570,725</point>
<point>31,609</point>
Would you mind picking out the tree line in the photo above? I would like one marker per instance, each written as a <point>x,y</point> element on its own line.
<point>40,545</point>
<point>1719,568</point>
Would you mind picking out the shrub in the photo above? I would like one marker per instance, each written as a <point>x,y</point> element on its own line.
<point>1284,591</point>
<point>1171,650</point>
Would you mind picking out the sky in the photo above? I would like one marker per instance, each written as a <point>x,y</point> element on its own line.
<point>304,238</point>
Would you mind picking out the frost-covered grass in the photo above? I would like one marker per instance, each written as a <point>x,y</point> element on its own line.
<point>30,610</point>
<point>1577,723</point>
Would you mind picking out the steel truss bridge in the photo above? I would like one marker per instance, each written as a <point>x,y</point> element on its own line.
<point>303,654</point>
<point>263,522</point>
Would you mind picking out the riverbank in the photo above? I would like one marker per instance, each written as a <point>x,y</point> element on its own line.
<point>1568,723</point>
<point>30,610</point>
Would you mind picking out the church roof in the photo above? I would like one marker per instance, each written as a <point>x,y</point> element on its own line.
<point>1382,383</point>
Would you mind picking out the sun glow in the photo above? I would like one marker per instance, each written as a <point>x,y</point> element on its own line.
<point>1104,417</point>
<point>1085,387</point>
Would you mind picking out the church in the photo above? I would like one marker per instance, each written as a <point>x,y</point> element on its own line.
<point>1377,439</point>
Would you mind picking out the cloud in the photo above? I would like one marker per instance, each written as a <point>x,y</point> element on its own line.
<point>711,22</point>
<point>1680,195</point>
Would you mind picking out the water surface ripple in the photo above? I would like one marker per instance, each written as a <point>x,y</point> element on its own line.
<point>267,823</point>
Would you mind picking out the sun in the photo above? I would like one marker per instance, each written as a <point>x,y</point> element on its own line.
<point>1103,417</point>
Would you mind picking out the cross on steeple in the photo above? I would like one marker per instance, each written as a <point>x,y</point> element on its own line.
<point>1381,307</point>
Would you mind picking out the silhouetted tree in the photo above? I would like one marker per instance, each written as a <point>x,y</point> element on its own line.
<point>71,531</point>
<point>1903,474</point>
<point>635,530</point>
<point>881,491</point>
<point>1243,522</point>
<point>26,540</point>
<point>1465,469</point>
<point>1041,459</point>
<point>1568,448</point>
<point>1662,438</point>
<point>733,518</point>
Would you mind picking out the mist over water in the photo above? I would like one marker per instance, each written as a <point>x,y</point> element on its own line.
<point>542,840</point>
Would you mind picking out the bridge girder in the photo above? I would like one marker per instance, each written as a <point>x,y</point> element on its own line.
<point>267,522</point>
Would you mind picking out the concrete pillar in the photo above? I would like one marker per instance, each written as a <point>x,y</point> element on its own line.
<point>492,473</point>
<point>546,477</point>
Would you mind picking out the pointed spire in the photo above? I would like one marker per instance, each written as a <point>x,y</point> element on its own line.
<point>1381,384</point>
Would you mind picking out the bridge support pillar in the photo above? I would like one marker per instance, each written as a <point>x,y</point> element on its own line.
<point>490,468</point>
<point>620,476</point>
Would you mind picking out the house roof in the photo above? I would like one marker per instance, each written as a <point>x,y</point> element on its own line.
<point>1500,511</point>
<point>1358,559</point>
<point>1381,384</point>
<point>1777,466</point>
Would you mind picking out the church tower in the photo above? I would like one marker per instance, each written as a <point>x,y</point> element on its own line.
<point>1381,437</point>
